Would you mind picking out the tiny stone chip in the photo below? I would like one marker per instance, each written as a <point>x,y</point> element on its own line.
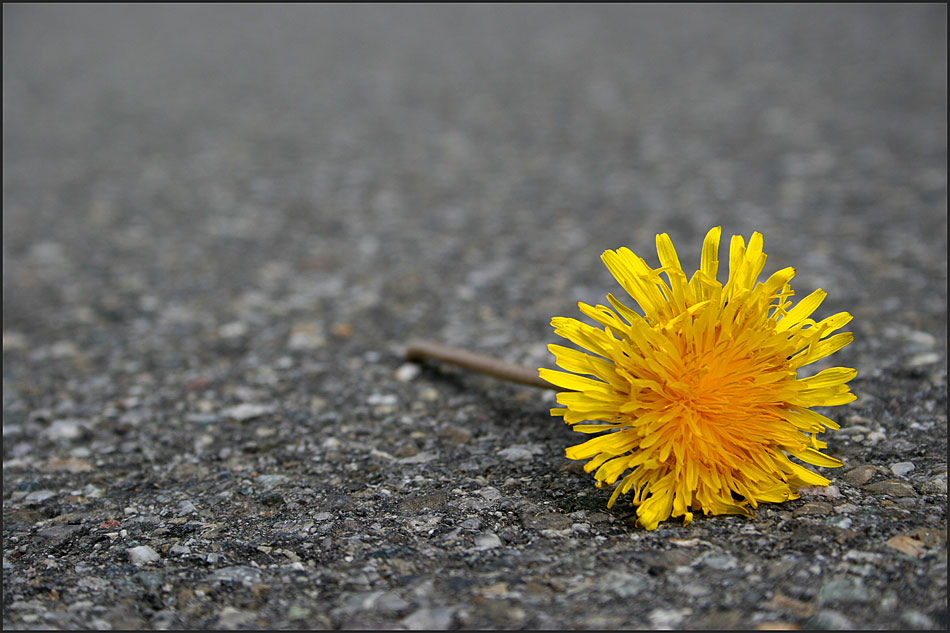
<point>902,468</point>
<point>143,554</point>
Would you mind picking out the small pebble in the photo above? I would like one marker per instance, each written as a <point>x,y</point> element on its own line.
<point>938,486</point>
<point>843,522</point>
<point>246,411</point>
<point>230,618</point>
<point>829,620</point>
<point>902,468</point>
<point>625,584</point>
<point>515,453</point>
<point>439,618</point>
<point>390,602</point>
<point>71,465</point>
<point>456,434</point>
<point>150,580</point>
<point>721,562</point>
<point>420,458</point>
<point>489,540</point>
<point>490,494</point>
<point>843,590</point>
<point>235,329</point>
<point>813,507</point>
<point>64,430</point>
<point>509,534</point>
<point>920,339</point>
<point>472,523</point>
<point>668,618</point>
<point>906,544</point>
<point>917,620</point>
<point>860,475</point>
<point>892,488</point>
<point>306,336</point>
<point>248,576</point>
<point>59,533</point>
<point>919,360</point>
<point>829,492</point>
<point>179,550</point>
<point>557,533</point>
<point>143,554</point>
<point>268,482</point>
<point>407,372</point>
<point>38,496</point>
<point>696,590</point>
<point>63,349</point>
<point>379,399</point>
<point>296,612</point>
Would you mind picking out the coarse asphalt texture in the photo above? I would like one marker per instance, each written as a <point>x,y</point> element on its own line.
<point>221,224</point>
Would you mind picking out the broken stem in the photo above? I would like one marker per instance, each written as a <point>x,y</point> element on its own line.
<point>420,350</point>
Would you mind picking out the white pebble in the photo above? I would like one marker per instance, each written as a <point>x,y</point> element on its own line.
<point>407,372</point>
<point>143,554</point>
<point>64,430</point>
<point>92,491</point>
<point>489,540</point>
<point>382,399</point>
<point>490,494</point>
<point>514,453</point>
<point>843,523</point>
<point>902,468</point>
<point>234,329</point>
<point>247,411</point>
<point>923,339</point>
<point>40,495</point>
<point>918,360</point>
<point>179,550</point>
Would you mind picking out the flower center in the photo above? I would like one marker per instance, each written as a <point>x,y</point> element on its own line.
<point>706,388</point>
<point>724,387</point>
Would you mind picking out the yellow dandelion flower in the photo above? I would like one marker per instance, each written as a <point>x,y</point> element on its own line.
<point>699,396</point>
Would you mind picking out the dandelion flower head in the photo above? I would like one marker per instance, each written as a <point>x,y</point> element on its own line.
<point>699,397</point>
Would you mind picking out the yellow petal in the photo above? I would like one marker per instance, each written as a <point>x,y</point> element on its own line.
<point>709,260</point>
<point>830,377</point>
<point>801,311</point>
<point>816,458</point>
<point>570,381</point>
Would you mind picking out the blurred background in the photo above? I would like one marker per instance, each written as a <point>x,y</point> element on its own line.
<point>222,222</point>
<point>454,171</point>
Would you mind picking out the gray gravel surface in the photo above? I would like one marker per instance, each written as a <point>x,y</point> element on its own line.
<point>220,225</point>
